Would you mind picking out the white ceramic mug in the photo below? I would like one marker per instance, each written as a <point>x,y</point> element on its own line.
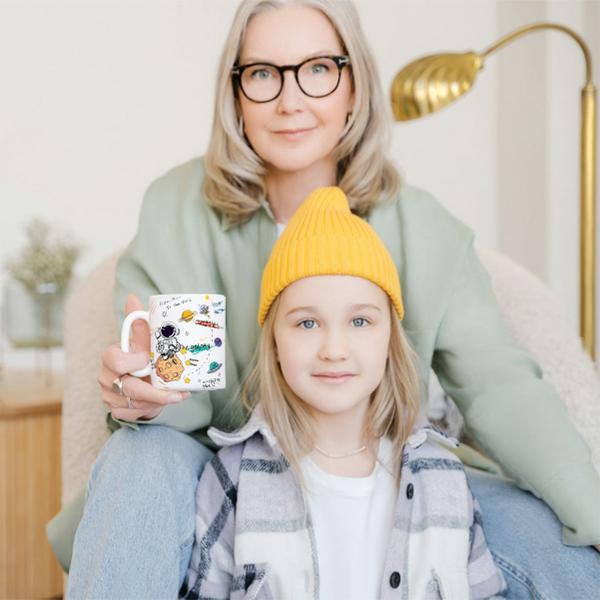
<point>187,341</point>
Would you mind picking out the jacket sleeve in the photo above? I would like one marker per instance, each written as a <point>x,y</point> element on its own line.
<point>153,263</point>
<point>211,567</point>
<point>516,416</point>
<point>485,578</point>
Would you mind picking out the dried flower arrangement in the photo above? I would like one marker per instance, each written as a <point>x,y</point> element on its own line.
<point>46,263</point>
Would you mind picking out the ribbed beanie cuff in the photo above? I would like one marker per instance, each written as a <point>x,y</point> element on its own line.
<point>325,238</point>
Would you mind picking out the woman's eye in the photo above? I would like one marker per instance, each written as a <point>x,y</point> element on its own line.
<point>319,69</point>
<point>359,322</point>
<point>307,324</point>
<point>260,74</point>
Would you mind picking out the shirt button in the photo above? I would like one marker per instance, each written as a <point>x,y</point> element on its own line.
<point>395,579</point>
<point>410,490</point>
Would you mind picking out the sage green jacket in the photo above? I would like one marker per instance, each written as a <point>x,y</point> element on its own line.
<point>451,317</point>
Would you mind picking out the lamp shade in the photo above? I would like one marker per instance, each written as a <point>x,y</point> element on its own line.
<point>432,82</point>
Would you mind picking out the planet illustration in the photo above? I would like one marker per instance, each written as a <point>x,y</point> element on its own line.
<point>218,342</point>
<point>214,366</point>
<point>187,315</point>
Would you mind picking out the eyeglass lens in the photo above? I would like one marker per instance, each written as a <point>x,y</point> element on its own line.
<point>318,77</point>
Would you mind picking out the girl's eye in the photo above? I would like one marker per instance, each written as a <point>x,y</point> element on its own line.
<point>359,322</point>
<point>308,324</point>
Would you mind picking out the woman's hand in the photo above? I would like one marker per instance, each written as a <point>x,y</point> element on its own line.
<point>597,546</point>
<point>147,401</point>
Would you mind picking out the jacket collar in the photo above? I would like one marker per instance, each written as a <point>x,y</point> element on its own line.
<point>256,423</point>
<point>422,431</point>
<point>225,225</point>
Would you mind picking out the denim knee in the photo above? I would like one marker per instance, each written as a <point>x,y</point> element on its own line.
<point>134,539</point>
<point>524,536</point>
<point>154,464</point>
<point>152,447</point>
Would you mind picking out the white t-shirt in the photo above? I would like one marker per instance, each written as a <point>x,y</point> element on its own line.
<point>280,228</point>
<point>353,518</point>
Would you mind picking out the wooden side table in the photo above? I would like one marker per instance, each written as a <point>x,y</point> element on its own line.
<point>30,483</point>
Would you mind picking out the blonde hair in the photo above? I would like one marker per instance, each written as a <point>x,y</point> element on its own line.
<point>392,412</point>
<point>234,173</point>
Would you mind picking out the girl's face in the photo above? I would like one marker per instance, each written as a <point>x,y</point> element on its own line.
<point>332,335</point>
<point>294,132</point>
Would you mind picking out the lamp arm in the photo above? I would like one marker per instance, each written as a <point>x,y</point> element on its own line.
<point>432,82</point>
<point>503,41</point>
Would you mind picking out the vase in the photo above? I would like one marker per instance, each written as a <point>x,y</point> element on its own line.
<point>33,319</point>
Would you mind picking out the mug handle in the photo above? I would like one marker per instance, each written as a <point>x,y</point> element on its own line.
<point>125,330</point>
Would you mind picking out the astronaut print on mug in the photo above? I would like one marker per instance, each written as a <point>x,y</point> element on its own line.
<point>188,333</point>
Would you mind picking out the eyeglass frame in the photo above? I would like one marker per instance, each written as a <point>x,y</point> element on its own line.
<point>340,61</point>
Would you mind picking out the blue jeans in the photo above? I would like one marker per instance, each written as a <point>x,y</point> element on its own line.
<point>524,537</point>
<point>136,534</point>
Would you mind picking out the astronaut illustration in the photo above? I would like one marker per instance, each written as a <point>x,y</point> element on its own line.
<point>167,344</point>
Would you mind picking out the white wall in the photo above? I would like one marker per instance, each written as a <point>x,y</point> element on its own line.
<point>98,98</point>
<point>451,153</point>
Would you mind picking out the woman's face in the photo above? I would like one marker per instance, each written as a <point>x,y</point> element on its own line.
<point>287,36</point>
<point>332,336</point>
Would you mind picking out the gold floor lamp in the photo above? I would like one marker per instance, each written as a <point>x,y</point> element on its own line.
<point>432,82</point>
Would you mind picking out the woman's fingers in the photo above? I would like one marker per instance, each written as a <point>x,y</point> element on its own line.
<point>145,401</point>
<point>119,362</point>
<point>129,411</point>
<point>133,414</point>
<point>140,332</point>
<point>142,391</point>
<point>137,389</point>
<point>117,402</point>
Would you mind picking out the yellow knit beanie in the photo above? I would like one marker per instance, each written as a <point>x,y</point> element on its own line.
<point>325,238</point>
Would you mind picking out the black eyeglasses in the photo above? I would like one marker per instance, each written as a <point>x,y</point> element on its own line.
<point>317,77</point>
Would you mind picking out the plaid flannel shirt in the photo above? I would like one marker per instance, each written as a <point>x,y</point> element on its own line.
<point>255,539</point>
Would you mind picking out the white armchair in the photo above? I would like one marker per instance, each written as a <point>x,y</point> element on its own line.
<point>90,326</point>
<point>534,316</point>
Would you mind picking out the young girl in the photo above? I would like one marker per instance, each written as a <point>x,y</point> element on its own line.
<point>330,490</point>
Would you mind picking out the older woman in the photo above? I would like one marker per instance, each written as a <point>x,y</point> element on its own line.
<point>299,106</point>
